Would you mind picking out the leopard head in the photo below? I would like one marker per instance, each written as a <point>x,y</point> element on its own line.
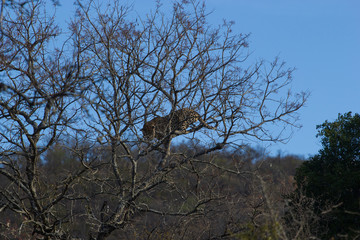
<point>148,130</point>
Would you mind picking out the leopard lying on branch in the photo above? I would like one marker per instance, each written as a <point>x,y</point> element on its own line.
<point>175,123</point>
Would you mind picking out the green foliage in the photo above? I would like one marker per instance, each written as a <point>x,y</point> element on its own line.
<point>332,177</point>
<point>341,138</point>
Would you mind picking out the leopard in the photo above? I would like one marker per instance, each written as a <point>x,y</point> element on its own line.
<point>171,125</point>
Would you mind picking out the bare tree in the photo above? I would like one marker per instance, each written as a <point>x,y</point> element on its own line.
<point>152,67</point>
<point>16,4</point>
<point>39,88</point>
<point>114,73</point>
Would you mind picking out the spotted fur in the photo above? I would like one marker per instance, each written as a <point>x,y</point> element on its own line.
<point>176,123</point>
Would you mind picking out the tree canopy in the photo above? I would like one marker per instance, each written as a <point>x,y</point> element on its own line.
<point>75,100</point>
<point>332,177</point>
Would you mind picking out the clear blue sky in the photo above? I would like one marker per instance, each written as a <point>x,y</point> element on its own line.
<point>321,38</point>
